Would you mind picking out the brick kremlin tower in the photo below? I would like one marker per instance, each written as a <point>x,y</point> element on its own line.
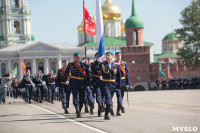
<point>137,55</point>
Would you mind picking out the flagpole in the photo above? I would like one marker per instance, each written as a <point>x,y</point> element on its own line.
<point>84,29</point>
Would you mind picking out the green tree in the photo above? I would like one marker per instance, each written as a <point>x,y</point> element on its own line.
<point>190,34</point>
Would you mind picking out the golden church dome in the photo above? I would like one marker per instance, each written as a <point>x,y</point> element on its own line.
<point>80,27</point>
<point>110,11</point>
<point>123,25</point>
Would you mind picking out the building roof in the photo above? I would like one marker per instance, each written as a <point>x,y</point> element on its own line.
<point>114,41</point>
<point>19,47</point>
<point>134,21</point>
<point>167,55</point>
<point>170,37</point>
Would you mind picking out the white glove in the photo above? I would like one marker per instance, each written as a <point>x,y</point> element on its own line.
<point>101,78</point>
<point>67,82</point>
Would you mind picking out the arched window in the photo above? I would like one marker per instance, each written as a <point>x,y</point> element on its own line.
<point>16,65</point>
<point>16,3</point>
<point>53,66</point>
<point>3,68</point>
<point>41,66</point>
<point>28,66</point>
<point>16,27</point>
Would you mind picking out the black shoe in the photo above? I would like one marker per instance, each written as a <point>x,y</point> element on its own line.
<point>122,109</point>
<point>101,107</point>
<point>29,101</point>
<point>86,109</point>
<point>66,112</point>
<point>78,112</point>
<point>111,111</point>
<point>65,108</point>
<point>99,113</point>
<point>106,117</point>
<point>91,111</point>
<point>118,111</point>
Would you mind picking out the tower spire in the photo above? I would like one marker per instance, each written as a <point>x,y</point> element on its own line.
<point>133,8</point>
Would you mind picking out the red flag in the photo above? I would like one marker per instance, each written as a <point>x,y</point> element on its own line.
<point>23,67</point>
<point>89,24</point>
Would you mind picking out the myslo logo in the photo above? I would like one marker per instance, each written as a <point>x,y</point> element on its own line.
<point>185,129</point>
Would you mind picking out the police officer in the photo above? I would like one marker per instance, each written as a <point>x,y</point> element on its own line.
<point>96,84</point>
<point>77,82</point>
<point>38,80</point>
<point>125,83</point>
<point>110,82</point>
<point>62,80</point>
<point>15,85</point>
<point>28,84</point>
<point>51,81</point>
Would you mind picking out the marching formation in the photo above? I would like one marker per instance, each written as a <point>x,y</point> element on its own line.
<point>86,79</point>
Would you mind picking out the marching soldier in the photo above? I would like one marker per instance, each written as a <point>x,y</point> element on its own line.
<point>62,80</point>
<point>15,85</point>
<point>110,82</point>
<point>28,83</point>
<point>38,80</point>
<point>124,82</point>
<point>51,81</point>
<point>89,87</point>
<point>77,82</point>
<point>164,84</point>
<point>158,83</point>
<point>96,84</point>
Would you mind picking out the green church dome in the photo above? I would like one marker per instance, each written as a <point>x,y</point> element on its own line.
<point>134,21</point>
<point>170,37</point>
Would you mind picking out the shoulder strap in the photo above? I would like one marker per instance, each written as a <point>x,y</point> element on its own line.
<point>80,69</point>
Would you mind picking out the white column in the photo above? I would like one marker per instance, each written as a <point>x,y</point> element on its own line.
<point>8,29</point>
<point>33,66</point>
<point>25,26</point>
<point>46,67</point>
<point>4,26</point>
<point>59,63</point>
<point>9,67</point>
<point>20,69</point>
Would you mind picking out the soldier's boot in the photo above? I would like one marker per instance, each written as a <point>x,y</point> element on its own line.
<point>99,110</point>
<point>101,107</point>
<point>78,112</point>
<point>122,108</point>
<point>29,100</point>
<point>86,108</point>
<point>39,100</point>
<point>65,109</point>
<point>106,117</point>
<point>91,108</point>
<point>118,111</point>
<point>52,101</point>
<point>111,111</point>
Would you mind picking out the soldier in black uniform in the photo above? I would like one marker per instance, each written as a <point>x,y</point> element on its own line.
<point>28,84</point>
<point>38,80</point>
<point>158,83</point>
<point>63,82</point>
<point>96,84</point>
<point>164,84</point>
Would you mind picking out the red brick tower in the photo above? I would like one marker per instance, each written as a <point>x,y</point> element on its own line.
<point>137,55</point>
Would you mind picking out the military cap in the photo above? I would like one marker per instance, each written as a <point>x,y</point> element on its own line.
<point>109,53</point>
<point>96,53</point>
<point>77,53</point>
<point>118,53</point>
<point>64,60</point>
<point>39,71</point>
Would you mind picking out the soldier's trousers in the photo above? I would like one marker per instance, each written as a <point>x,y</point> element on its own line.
<point>99,94</point>
<point>40,91</point>
<point>65,94</point>
<point>29,91</point>
<point>88,96</point>
<point>78,90</point>
<point>51,91</point>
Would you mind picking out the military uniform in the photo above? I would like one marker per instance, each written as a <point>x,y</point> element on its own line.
<point>27,82</point>
<point>77,84</point>
<point>111,77</point>
<point>65,91</point>
<point>51,81</point>
<point>40,89</point>
<point>124,84</point>
<point>158,83</point>
<point>96,82</point>
<point>164,84</point>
